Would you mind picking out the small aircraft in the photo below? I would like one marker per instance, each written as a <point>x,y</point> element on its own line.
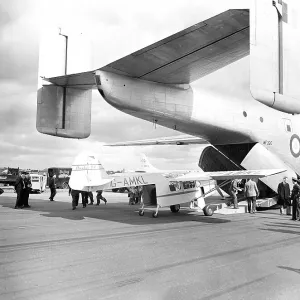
<point>159,189</point>
<point>206,189</point>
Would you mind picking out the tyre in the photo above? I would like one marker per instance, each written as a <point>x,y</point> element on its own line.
<point>175,208</point>
<point>208,211</point>
<point>154,214</point>
<point>141,213</point>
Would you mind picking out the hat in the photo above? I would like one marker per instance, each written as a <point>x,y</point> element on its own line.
<point>296,180</point>
<point>285,177</point>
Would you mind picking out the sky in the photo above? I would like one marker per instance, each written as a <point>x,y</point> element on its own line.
<point>115,28</point>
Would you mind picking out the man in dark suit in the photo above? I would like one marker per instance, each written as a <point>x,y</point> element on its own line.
<point>84,197</point>
<point>75,197</point>
<point>295,197</point>
<point>20,187</point>
<point>52,187</point>
<point>283,191</point>
<point>26,192</point>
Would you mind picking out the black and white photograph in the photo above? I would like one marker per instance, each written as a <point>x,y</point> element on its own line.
<point>149,150</point>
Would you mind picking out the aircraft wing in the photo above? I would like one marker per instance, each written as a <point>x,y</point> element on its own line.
<point>182,57</point>
<point>172,140</point>
<point>225,175</point>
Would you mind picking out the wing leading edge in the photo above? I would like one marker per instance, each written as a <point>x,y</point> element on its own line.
<point>183,57</point>
<point>172,140</point>
<point>226,175</point>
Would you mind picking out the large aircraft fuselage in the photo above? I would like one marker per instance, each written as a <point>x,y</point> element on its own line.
<point>219,119</point>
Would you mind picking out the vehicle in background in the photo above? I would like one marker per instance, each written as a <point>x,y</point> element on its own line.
<point>38,183</point>
<point>61,175</point>
<point>8,176</point>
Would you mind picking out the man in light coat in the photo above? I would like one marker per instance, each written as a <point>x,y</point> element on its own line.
<point>251,192</point>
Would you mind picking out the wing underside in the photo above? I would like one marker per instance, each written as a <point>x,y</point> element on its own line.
<point>172,140</point>
<point>183,57</point>
<point>229,175</point>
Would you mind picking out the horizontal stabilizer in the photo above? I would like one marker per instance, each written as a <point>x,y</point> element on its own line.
<point>85,80</point>
<point>172,140</point>
<point>88,174</point>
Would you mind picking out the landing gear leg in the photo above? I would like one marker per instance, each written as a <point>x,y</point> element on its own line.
<point>141,210</point>
<point>155,213</point>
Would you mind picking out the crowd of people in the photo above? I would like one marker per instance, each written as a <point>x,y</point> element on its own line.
<point>288,201</point>
<point>85,196</point>
<point>135,195</point>
<point>23,187</point>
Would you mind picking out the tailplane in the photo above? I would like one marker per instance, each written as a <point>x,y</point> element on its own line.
<point>88,174</point>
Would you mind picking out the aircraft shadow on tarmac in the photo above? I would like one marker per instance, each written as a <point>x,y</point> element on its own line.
<point>116,212</point>
<point>283,227</point>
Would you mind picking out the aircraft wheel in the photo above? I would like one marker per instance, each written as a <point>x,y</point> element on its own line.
<point>141,213</point>
<point>175,208</point>
<point>154,214</point>
<point>208,211</point>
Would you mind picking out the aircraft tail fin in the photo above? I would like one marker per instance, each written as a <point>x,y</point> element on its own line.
<point>274,49</point>
<point>88,173</point>
<point>146,165</point>
<point>64,108</point>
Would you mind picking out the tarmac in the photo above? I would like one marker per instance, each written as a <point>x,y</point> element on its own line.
<point>49,251</point>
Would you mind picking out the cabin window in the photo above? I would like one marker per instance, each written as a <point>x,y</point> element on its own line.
<point>189,184</point>
<point>174,186</point>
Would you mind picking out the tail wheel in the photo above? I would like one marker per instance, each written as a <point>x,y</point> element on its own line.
<point>154,214</point>
<point>175,208</point>
<point>208,211</point>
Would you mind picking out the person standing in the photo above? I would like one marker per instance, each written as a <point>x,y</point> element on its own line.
<point>283,191</point>
<point>251,192</point>
<point>233,191</point>
<point>75,197</point>
<point>19,187</point>
<point>131,195</point>
<point>52,187</point>
<point>295,198</point>
<point>84,198</point>
<point>100,197</point>
<point>91,196</point>
<point>26,192</point>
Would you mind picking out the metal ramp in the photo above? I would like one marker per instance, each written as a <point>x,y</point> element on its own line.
<point>223,209</point>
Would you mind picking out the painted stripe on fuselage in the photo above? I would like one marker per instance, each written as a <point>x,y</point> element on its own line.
<point>175,194</point>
